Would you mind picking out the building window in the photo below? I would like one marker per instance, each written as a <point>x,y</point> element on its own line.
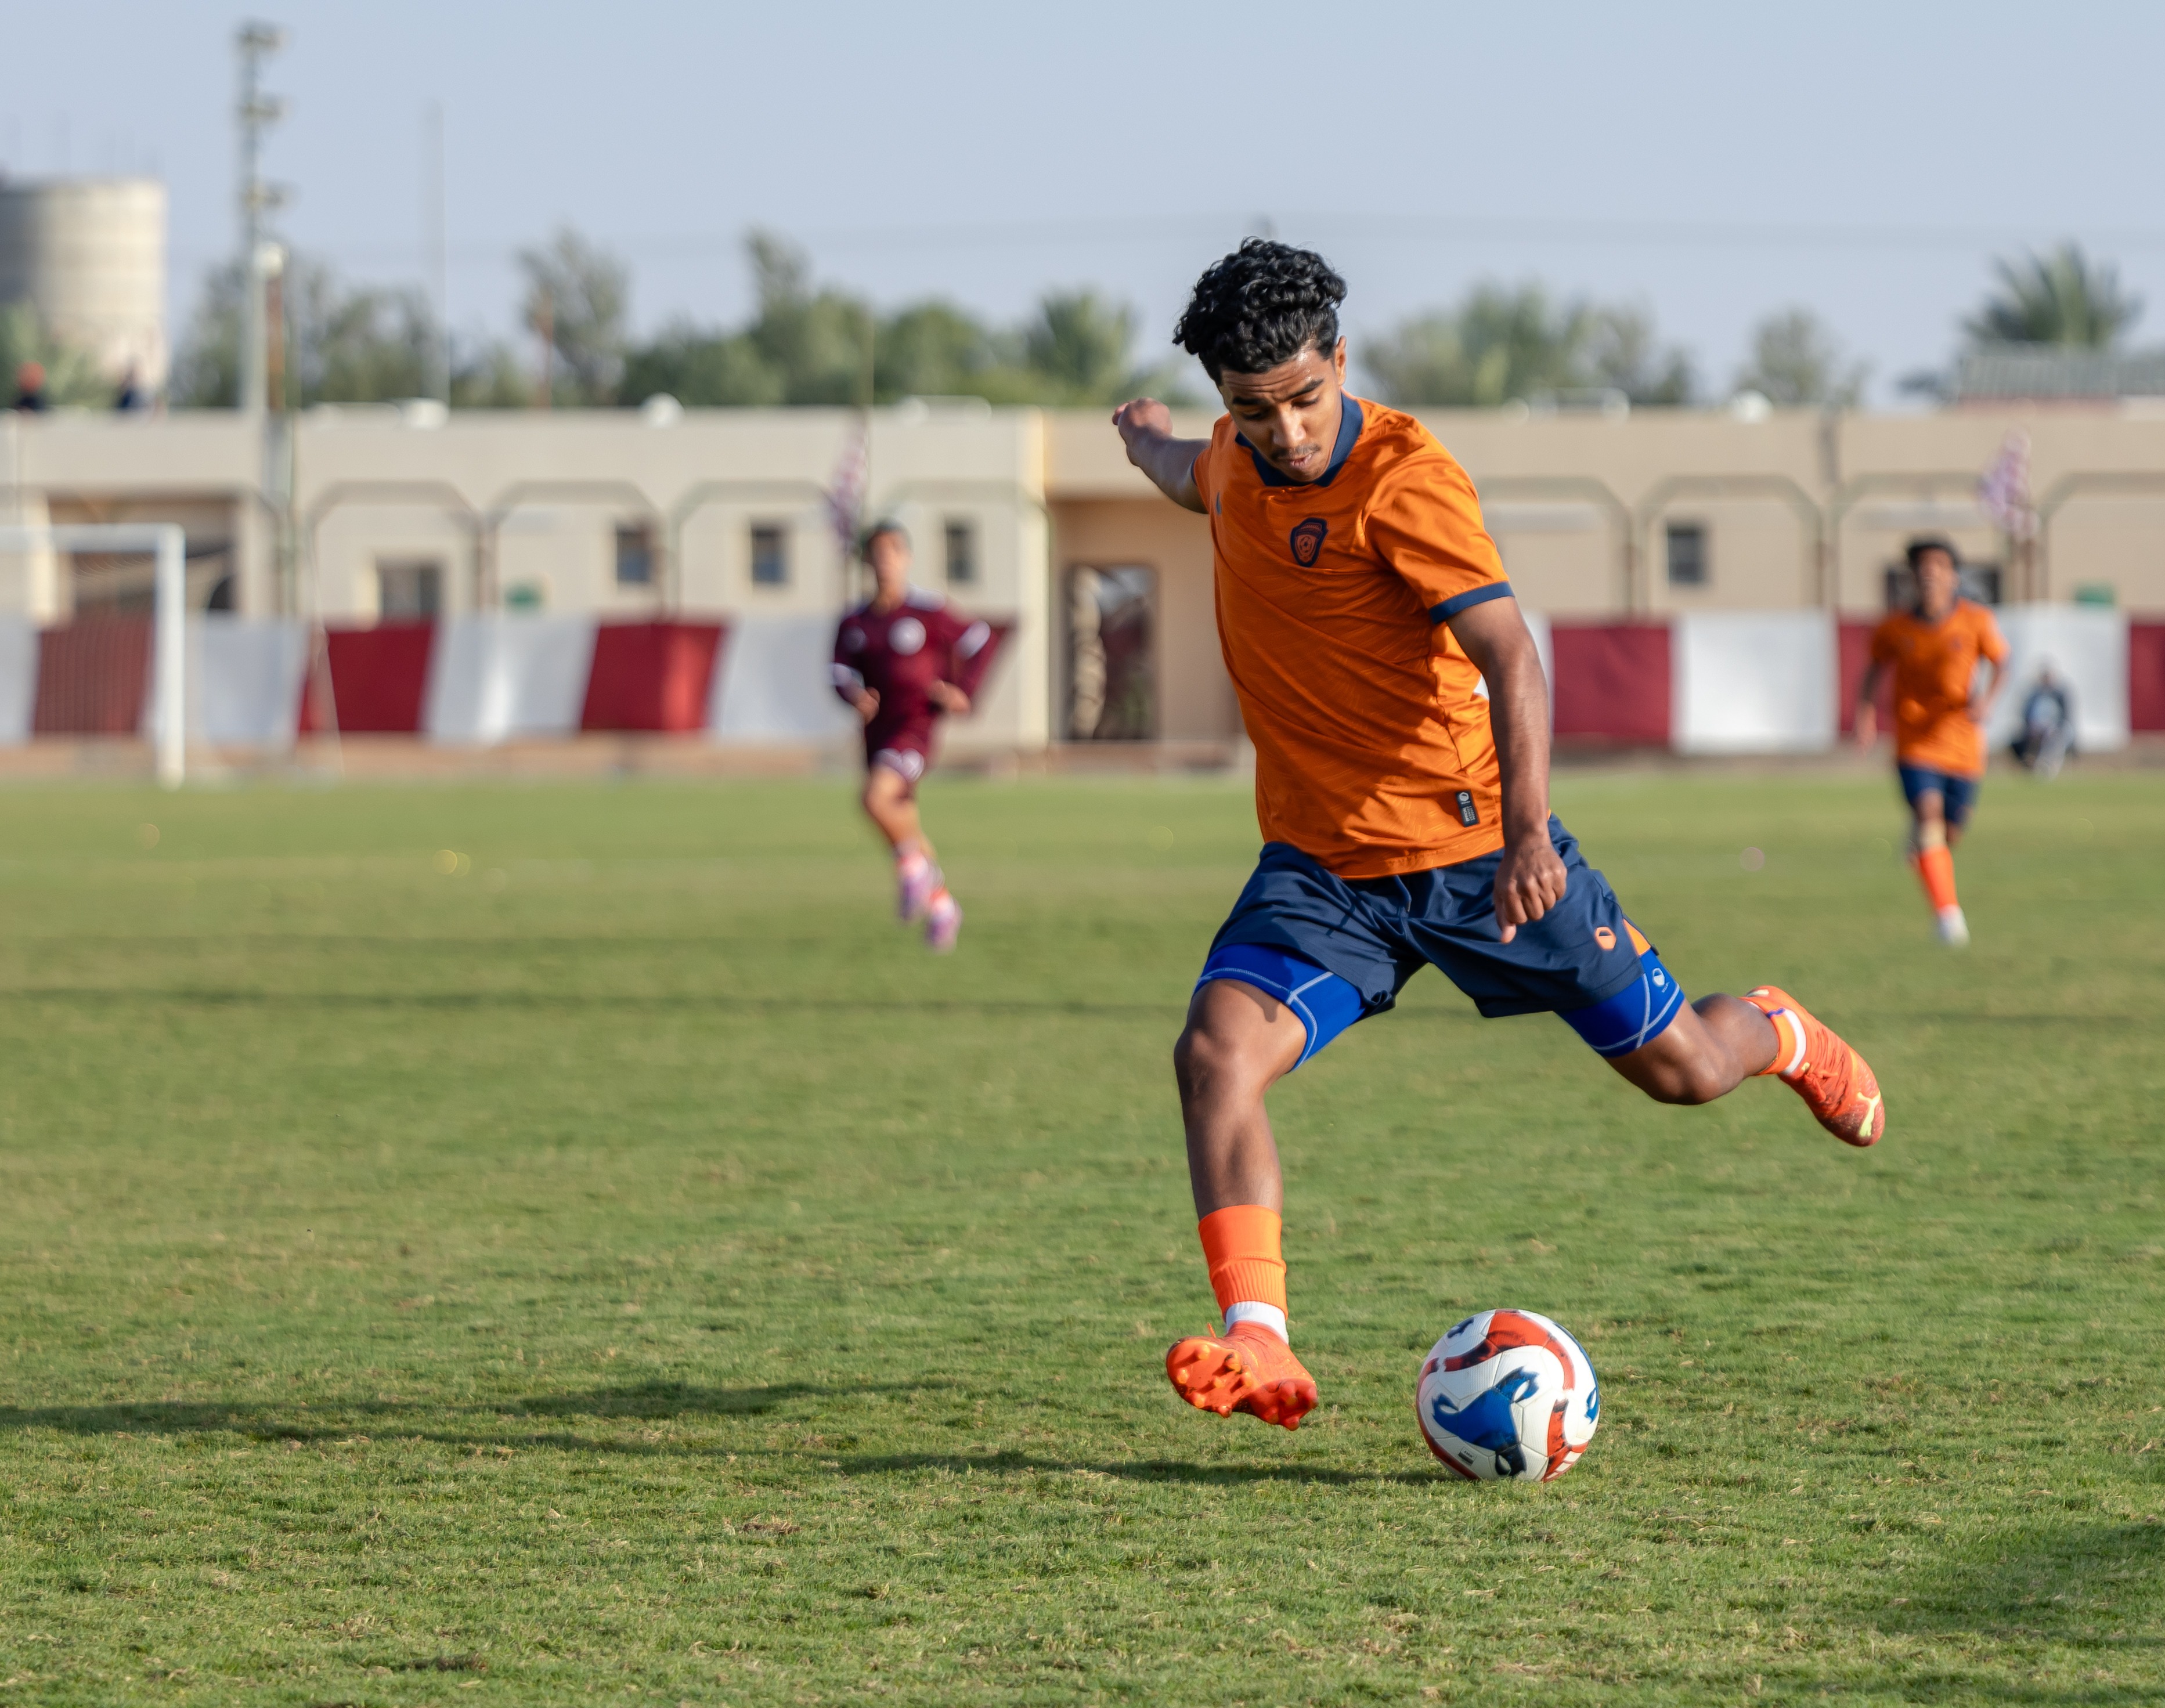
<point>635,555</point>
<point>770,555</point>
<point>409,589</point>
<point>1687,563</point>
<point>961,553</point>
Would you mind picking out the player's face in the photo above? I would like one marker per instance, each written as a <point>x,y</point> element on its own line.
<point>889,556</point>
<point>1937,583</point>
<point>1290,413</point>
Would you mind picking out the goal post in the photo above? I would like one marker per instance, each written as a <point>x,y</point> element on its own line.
<point>166,544</point>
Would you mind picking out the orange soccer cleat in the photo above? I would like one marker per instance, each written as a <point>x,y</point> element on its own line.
<point>1836,1083</point>
<point>1247,1368</point>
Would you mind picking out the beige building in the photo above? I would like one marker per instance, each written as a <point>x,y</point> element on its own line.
<point>1035,517</point>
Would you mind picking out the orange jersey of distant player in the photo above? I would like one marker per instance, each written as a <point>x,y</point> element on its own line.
<point>1935,665</point>
<point>1373,752</point>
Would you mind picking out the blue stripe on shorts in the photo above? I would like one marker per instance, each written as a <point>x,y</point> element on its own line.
<point>1325,1003</point>
<point>1636,1015</point>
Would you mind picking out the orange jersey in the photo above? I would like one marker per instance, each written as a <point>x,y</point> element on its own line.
<point>1373,753</point>
<point>1935,665</point>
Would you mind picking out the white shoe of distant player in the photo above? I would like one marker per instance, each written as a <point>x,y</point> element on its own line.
<point>1954,928</point>
<point>943,923</point>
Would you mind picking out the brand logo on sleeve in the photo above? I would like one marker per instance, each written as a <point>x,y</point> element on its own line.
<point>1605,938</point>
<point>1308,540</point>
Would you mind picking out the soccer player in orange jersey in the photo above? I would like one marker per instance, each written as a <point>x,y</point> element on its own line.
<point>1405,818</point>
<point>1938,652</point>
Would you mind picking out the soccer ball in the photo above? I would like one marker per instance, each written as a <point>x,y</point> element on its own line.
<point>1507,1393</point>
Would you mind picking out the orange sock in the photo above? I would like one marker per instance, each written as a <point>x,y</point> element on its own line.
<point>1936,869</point>
<point>1788,1039</point>
<point>1240,1243</point>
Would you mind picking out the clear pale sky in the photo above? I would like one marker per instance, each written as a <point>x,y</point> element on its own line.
<point>1713,163</point>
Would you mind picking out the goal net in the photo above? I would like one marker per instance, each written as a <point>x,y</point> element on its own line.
<point>124,655</point>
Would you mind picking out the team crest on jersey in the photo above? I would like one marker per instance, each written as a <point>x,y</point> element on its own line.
<point>906,636</point>
<point>1308,540</point>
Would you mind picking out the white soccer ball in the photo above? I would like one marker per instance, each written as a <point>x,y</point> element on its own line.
<point>1508,1393</point>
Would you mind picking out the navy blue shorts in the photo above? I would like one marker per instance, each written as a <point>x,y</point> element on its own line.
<point>1338,950</point>
<point>1957,794</point>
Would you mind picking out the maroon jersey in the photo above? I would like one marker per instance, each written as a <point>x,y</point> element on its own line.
<point>899,655</point>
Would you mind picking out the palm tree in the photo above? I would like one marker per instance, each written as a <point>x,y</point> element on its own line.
<point>1502,342</point>
<point>2063,298</point>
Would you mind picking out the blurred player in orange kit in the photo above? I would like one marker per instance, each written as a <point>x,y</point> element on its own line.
<point>1361,607</point>
<point>1940,707</point>
<point>901,660</point>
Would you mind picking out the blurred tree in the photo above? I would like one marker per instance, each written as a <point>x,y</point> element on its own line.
<point>360,345</point>
<point>1497,344</point>
<point>71,375</point>
<point>816,340</point>
<point>1622,354</point>
<point>701,368</point>
<point>808,346</point>
<point>933,350</point>
<point>1080,343</point>
<point>344,344</point>
<point>1797,362</point>
<point>206,371</point>
<point>1503,342</point>
<point>2063,298</point>
<point>580,294</point>
<point>490,376</point>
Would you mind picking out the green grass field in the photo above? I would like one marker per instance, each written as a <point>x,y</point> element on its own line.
<point>629,1267</point>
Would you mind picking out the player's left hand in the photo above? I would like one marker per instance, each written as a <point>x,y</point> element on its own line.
<point>949,697</point>
<point>1530,881</point>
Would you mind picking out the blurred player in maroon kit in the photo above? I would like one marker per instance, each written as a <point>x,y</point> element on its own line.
<point>901,661</point>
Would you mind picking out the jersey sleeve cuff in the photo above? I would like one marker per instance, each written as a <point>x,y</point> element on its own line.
<point>1473,596</point>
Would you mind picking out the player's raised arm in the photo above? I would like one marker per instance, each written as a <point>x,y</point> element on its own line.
<point>1529,880</point>
<point>1146,427</point>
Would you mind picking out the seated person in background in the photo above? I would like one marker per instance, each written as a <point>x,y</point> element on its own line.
<point>30,387</point>
<point>2048,734</point>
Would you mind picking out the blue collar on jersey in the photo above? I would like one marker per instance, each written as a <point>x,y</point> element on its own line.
<point>1349,430</point>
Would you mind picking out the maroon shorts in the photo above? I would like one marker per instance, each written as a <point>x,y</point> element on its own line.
<point>905,748</point>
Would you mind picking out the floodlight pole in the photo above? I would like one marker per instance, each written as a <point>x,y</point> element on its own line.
<point>168,544</point>
<point>256,112</point>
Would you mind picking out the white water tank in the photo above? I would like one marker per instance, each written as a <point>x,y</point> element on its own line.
<point>89,255</point>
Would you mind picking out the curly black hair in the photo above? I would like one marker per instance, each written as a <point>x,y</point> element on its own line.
<point>1262,305</point>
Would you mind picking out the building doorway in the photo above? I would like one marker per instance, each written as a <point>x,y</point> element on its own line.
<point>1111,654</point>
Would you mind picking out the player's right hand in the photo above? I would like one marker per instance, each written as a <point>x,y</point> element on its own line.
<point>1530,879</point>
<point>1145,417</point>
<point>868,705</point>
